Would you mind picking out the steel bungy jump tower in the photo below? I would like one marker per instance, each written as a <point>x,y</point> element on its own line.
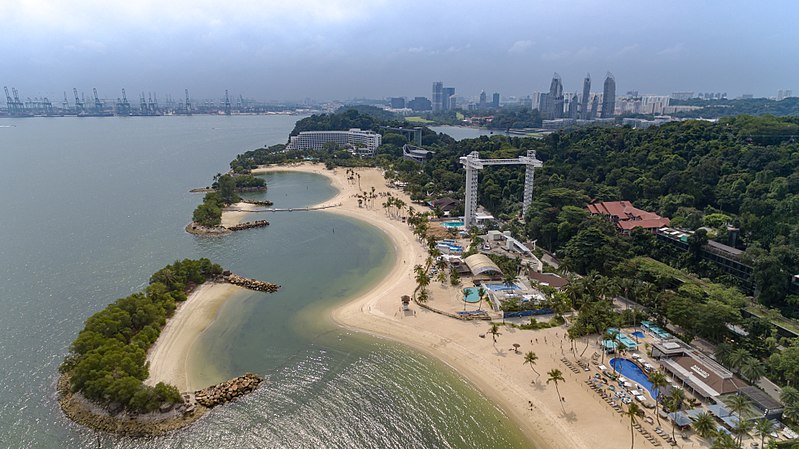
<point>473,164</point>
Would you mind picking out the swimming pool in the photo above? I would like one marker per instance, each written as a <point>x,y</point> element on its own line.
<point>638,334</point>
<point>501,287</point>
<point>631,371</point>
<point>452,224</point>
<point>471,294</point>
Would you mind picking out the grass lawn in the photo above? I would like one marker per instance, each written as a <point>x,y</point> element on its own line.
<point>417,119</point>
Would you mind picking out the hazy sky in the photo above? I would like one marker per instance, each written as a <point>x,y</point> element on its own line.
<point>325,49</point>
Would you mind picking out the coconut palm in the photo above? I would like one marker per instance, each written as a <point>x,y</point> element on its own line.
<point>723,351</point>
<point>674,402</point>
<point>742,429</point>
<point>737,358</point>
<point>556,376</point>
<point>789,395</point>
<point>632,413</point>
<point>530,359</point>
<point>494,331</point>
<point>752,369</point>
<point>791,412</point>
<point>659,381</point>
<point>737,404</point>
<point>481,294</point>
<point>704,425</point>
<point>724,441</point>
<point>763,428</point>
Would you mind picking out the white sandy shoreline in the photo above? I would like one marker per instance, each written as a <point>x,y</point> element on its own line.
<point>495,371</point>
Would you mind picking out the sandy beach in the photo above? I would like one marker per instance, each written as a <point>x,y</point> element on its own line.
<point>494,369</point>
<point>170,352</point>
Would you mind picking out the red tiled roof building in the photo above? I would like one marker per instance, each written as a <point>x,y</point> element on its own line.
<point>627,217</point>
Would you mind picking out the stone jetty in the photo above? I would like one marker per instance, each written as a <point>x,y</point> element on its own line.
<point>227,391</point>
<point>252,284</point>
<point>248,225</point>
<point>258,202</point>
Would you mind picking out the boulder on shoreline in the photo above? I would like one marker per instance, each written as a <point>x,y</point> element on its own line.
<point>252,284</point>
<point>248,225</point>
<point>198,229</point>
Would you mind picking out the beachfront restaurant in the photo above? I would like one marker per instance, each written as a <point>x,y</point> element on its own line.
<point>481,265</point>
<point>695,371</point>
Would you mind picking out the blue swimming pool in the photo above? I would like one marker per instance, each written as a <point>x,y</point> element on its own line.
<point>452,224</point>
<point>638,334</point>
<point>501,287</point>
<point>471,294</point>
<point>631,371</point>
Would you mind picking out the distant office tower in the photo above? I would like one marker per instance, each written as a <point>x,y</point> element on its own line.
<point>438,96</point>
<point>586,94</point>
<point>609,97</point>
<point>682,95</point>
<point>555,98</point>
<point>594,107</point>
<point>397,102</point>
<point>495,100</point>
<point>573,102</point>
<point>783,94</point>
<point>447,102</point>
<point>482,99</point>
<point>535,101</point>
<point>420,104</point>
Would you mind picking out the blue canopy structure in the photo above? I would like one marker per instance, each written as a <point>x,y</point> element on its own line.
<point>719,410</point>
<point>680,418</point>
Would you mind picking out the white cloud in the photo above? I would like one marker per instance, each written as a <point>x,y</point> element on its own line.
<point>673,50</point>
<point>520,46</point>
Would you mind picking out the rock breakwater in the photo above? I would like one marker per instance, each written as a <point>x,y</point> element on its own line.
<point>248,225</point>
<point>258,202</point>
<point>227,391</point>
<point>252,284</point>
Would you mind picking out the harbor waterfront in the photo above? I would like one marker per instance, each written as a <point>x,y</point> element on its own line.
<point>94,206</point>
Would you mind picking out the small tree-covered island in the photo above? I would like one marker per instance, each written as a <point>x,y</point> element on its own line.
<point>102,383</point>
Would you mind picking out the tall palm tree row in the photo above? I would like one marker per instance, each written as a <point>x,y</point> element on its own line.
<point>659,382</point>
<point>530,358</point>
<point>632,412</point>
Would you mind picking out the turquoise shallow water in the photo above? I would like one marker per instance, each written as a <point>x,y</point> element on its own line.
<point>91,207</point>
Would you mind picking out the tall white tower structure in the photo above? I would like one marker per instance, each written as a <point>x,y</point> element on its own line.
<point>474,164</point>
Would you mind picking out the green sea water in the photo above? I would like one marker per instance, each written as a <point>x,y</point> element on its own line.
<point>91,207</point>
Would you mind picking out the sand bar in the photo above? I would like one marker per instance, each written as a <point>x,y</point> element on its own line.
<point>169,354</point>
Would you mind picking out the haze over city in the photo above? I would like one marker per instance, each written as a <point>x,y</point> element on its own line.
<point>343,49</point>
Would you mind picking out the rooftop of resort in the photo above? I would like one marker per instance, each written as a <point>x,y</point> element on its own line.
<point>626,216</point>
<point>480,264</point>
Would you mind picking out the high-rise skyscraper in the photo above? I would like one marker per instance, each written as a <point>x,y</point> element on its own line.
<point>483,100</point>
<point>555,98</point>
<point>586,93</point>
<point>573,106</point>
<point>495,100</point>
<point>609,97</point>
<point>438,95</point>
<point>594,107</point>
<point>447,99</point>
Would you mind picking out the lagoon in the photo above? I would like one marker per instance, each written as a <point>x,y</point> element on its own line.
<point>92,206</point>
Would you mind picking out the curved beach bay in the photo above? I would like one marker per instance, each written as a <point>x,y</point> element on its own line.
<point>96,216</point>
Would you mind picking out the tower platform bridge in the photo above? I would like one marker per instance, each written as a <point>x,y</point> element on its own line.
<point>474,164</point>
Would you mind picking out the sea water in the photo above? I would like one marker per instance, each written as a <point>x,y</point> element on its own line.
<point>90,207</point>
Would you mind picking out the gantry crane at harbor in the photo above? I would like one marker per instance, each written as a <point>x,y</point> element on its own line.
<point>78,103</point>
<point>123,105</point>
<point>65,104</point>
<point>188,103</point>
<point>98,105</point>
<point>227,103</point>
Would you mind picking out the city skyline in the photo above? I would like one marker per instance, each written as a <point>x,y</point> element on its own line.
<point>375,49</point>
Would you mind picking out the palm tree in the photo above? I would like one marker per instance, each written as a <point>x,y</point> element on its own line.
<point>791,412</point>
<point>494,331</point>
<point>737,405</point>
<point>723,351</point>
<point>481,293</point>
<point>659,381</point>
<point>737,358</point>
<point>530,359</point>
<point>741,429</point>
<point>632,412</point>
<point>704,425</point>
<point>752,369</point>
<point>789,395</point>
<point>763,428</point>
<point>724,441</point>
<point>556,376</point>
<point>674,402</point>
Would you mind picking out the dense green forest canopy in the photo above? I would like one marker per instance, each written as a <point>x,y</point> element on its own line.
<point>107,361</point>
<point>748,106</point>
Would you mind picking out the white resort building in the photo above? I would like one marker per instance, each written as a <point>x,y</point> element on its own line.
<point>363,143</point>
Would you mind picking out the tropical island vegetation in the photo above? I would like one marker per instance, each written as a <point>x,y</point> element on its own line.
<point>106,363</point>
